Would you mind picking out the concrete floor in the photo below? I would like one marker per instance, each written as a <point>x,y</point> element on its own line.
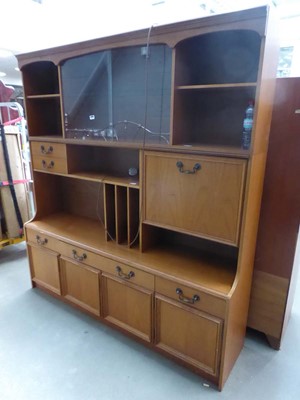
<point>50,351</point>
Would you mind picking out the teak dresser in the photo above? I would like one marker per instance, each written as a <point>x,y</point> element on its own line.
<point>147,206</point>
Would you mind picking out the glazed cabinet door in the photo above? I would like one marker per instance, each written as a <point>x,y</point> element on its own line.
<point>198,195</point>
<point>127,306</point>
<point>44,266</point>
<point>81,285</point>
<point>188,334</point>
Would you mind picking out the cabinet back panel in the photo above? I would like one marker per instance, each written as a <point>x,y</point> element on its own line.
<point>44,117</point>
<point>219,57</point>
<point>40,78</point>
<point>211,116</point>
<point>47,193</point>
<point>83,198</point>
<point>111,161</point>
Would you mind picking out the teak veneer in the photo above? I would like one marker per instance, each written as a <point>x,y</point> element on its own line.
<point>147,206</point>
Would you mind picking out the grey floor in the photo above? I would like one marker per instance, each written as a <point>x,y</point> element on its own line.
<point>50,351</point>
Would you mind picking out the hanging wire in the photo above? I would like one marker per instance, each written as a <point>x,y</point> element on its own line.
<point>145,130</point>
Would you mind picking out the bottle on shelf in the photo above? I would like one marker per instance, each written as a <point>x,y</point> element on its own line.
<point>247,125</point>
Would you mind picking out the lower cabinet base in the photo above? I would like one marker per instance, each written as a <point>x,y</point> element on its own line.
<point>169,351</point>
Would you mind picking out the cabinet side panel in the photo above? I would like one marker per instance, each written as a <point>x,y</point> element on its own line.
<point>239,304</point>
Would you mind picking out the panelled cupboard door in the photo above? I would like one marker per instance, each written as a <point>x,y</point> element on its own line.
<point>127,306</point>
<point>81,285</point>
<point>188,334</point>
<point>195,194</point>
<point>44,265</point>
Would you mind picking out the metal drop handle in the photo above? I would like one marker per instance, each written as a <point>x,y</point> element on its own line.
<point>77,257</point>
<point>40,241</point>
<point>181,169</point>
<point>122,274</point>
<point>48,151</point>
<point>47,166</point>
<point>187,299</point>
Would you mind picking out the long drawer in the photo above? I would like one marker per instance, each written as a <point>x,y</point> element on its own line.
<point>115,268</point>
<point>43,240</point>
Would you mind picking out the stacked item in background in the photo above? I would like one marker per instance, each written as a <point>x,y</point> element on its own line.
<point>13,213</point>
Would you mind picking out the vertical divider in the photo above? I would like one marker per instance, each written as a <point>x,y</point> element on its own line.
<point>133,215</point>
<point>61,102</point>
<point>109,212</point>
<point>121,214</point>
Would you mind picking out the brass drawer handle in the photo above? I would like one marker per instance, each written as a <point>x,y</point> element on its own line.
<point>46,151</point>
<point>47,166</point>
<point>187,299</point>
<point>77,257</point>
<point>122,274</point>
<point>179,165</point>
<point>40,240</point>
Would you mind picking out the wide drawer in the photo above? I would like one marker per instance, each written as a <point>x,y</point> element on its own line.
<point>193,194</point>
<point>123,271</point>
<point>44,149</point>
<point>42,240</point>
<point>189,296</point>
<point>50,164</point>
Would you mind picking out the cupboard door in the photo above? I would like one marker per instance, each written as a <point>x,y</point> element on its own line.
<point>44,265</point>
<point>195,194</point>
<point>188,334</point>
<point>81,285</point>
<point>127,306</point>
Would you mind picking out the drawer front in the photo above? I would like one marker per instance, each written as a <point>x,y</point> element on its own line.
<point>50,164</point>
<point>117,269</point>
<point>77,254</point>
<point>42,240</point>
<point>129,274</point>
<point>194,298</point>
<point>52,150</point>
<point>194,194</point>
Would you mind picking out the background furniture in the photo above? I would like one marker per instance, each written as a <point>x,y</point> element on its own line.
<point>274,268</point>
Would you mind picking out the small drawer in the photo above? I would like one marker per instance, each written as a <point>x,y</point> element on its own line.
<point>50,164</point>
<point>42,240</point>
<point>192,297</point>
<point>45,149</point>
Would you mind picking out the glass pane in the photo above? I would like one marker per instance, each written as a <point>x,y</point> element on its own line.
<point>119,95</point>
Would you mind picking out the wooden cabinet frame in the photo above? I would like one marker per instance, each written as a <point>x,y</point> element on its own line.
<point>99,197</point>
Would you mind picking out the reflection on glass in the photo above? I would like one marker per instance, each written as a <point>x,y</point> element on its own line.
<point>119,95</point>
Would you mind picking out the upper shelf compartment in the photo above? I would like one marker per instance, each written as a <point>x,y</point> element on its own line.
<point>41,79</point>
<point>119,95</point>
<point>225,57</point>
<point>215,78</point>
